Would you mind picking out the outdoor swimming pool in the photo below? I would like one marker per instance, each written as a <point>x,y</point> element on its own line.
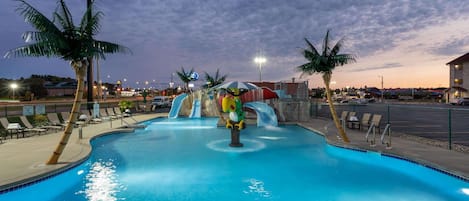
<point>189,159</point>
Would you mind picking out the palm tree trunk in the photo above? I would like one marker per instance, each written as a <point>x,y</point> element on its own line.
<point>327,80</point>
<point>80,72</point>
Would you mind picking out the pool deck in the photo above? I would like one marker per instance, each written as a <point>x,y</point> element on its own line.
<point>449,161</point>
<point>22,160</point>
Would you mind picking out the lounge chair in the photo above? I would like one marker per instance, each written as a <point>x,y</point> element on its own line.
<point>65,116</point>
<point>4,122</point>
<point>111,113</point>
<point>351,118</point>
<point>83,118</point>
<point>351,114</point>
<point>119,112</point>
<point>376,121</point>
<point>50,125</point>
<point>12,128</point>
<point>31,128</point>
<point>343,117</point>
<point>95,119</point>
<point>103,114</point>
<point>364,121</point>
<point>3,134</point>
<point>54,120</point>
<point>139,108</point>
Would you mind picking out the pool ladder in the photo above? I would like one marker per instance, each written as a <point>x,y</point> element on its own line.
<point>386,132</point>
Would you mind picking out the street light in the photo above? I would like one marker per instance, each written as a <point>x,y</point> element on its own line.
<point>13,86</point>
<point>260,61</point>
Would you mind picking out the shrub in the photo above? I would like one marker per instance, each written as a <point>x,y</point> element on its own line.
<point>125,104</point>
<point>40,120</point>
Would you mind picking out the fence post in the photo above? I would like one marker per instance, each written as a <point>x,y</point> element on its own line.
<point>55,107</point>
<point>6,111</point>
<point>317,109</point>
<point>449,129</point>
<point>389,113</point>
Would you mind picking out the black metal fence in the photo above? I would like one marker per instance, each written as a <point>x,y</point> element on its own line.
<point>27,109</point>
<point>440,122</point>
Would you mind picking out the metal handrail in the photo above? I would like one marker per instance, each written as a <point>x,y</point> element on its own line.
<point>370,129</point>
<point>387,130</point>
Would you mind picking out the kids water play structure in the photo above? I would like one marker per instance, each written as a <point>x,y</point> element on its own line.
<point>185,105</point>
<point>231,103</point>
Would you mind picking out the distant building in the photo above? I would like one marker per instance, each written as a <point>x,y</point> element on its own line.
<point>61,88</point>
<point>458,78</point>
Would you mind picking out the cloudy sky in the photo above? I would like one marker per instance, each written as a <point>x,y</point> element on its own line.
<point>408,43</point>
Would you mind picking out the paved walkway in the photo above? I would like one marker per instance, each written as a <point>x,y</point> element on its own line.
<point>23,159</point>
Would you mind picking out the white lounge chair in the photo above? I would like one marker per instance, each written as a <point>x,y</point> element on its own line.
<point>12,128</point>
<point>31,128</point>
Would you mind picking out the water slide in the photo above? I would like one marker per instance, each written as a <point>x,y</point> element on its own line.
<point>176,106</point>
<point>195,113</point>
<point>265,114</point>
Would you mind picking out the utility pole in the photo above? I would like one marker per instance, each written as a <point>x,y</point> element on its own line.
<point>89,75</point>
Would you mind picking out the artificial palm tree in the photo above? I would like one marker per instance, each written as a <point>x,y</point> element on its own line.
<point>185,77</point>
<point>324,63</point>
<point>61,38</point>
<point>215,80</point>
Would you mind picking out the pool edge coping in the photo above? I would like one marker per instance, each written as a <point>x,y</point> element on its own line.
<point>422,162</point>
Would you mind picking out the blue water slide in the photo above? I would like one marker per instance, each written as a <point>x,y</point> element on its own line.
<point>176,106</point>
<point>195,113</point>
<point>265,114</point>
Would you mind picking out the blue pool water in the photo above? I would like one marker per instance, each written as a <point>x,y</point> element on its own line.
<point>189,159</point>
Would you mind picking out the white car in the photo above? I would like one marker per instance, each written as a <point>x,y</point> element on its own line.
<point>463,101</point>
<point>161,101</point>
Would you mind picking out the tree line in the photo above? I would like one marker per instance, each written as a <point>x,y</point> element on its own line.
<point>33,86</point>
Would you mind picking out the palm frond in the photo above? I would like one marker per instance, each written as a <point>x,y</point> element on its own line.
<point>35,18</point>
<point>335,50</point>
<point>108,47</point>
<point>91,25</point>
<point>65,15</point>
<point>326,47</point>
<point>343,59</point>
<point>185,76</point>
<point>311,46</point>
<point>30,36</point>
<point>36,50</point>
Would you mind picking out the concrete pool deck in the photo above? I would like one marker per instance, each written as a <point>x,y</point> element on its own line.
<point>443,159</point>
<point>22,160</point>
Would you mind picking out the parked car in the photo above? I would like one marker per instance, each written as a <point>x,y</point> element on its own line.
<point>463,101</point>
<point>161,101</point>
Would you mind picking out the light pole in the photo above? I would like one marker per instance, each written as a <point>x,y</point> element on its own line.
<point>13,87</point>
<point>260,61</point>
<point>382,87</point>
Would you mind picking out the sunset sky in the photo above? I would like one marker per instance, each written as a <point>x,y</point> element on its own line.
<point>406,42</point>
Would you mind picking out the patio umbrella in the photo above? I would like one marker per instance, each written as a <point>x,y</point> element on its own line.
<point>236,84</point>
<point>242,86</point>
